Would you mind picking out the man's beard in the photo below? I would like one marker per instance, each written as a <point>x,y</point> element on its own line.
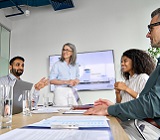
<point>17,72</point>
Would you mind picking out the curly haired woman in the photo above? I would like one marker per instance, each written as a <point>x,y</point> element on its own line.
<point>136,66</point>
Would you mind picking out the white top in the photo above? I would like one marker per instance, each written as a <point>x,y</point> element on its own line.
<point>136,83</point>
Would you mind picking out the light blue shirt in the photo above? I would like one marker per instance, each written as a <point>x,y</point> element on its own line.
<point>10,80</point>
<point>63,71</point>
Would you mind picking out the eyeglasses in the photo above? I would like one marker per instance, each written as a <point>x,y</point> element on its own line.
<point>66,50</point>
<point>150,27</point>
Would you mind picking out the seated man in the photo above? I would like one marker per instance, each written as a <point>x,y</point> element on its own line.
<point>16,70</point>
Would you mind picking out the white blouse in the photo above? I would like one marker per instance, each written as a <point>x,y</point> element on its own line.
<point>137,83</point>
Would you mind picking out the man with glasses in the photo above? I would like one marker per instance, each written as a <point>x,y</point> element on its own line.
<point>141,117</point>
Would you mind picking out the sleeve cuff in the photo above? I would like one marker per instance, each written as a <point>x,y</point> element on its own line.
<point>35,92</point>
<point>112,110</point>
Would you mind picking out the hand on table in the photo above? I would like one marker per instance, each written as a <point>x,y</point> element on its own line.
<point>103,102</point>
<point>97,110</point>
<point>100,107</point>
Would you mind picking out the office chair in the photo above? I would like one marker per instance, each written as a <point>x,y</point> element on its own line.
<point>139,128</point>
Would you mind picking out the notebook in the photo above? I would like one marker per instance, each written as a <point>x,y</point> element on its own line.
<point>82,107</point>
<point>18,89</point>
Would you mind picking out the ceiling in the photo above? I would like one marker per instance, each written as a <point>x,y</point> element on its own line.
<point>56,4</point>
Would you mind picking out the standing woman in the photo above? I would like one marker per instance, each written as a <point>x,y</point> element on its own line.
<point>136,66</point>
<point>65,75</point>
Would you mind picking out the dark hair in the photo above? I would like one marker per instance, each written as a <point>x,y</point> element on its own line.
<point>74,53</point>
<point>14,58</point>
<point>156,12</point>
<point>141,62</point>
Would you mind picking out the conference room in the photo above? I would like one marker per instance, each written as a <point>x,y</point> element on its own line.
<point>92,26</point>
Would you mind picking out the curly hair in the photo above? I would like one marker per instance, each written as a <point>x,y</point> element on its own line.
<point>142,62</point>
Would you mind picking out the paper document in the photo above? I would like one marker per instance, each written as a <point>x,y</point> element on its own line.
<point>52,109</point>
<point>74,111</point>
<point>62,107</point>
<point>50,134</point>
<point>45,110</point>
<point>80,121</point>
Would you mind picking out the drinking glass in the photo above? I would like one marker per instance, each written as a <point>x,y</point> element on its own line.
<point>45,100</point>
<point>6,97</point>
<point>35,100</point>
<point>70,100</point>
<point>1,104</point>
<point>27,103</point>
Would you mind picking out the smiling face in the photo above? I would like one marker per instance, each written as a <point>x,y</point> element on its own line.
<point>126,65</point>
<point>67,53</point>
<point>154,34</point>
<point>17,68</point>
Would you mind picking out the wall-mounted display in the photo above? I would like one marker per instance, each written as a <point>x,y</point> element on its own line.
<point>97,70</point>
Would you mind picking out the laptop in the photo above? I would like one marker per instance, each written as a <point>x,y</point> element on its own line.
<point>78,100</point>
<point>18,89</point>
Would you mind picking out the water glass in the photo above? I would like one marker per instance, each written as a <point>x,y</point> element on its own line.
<point>45,101</point>
<point>35,101</point>
<point>6,97</point>
<point>27,103</point>
<point>70,100</point>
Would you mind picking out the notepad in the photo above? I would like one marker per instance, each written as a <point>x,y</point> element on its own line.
<point>59,134</point>
<point>82,107</point>
<point>74,126</point>
<point>45,110</point>
<point>74,111</point>
<point>81,121</point>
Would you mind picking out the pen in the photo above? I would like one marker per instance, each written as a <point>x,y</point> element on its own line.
<point>64,126</point>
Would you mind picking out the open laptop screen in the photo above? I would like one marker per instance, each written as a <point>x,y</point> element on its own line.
<point>18,89</point>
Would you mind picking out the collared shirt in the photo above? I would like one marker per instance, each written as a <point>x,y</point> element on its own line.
<point>10,79</point>
<point>63,71</point>
<point>146,106</point>
<point>137,83</point>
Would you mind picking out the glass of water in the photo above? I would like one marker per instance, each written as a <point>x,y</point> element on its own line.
<point>6,97</point>
<point>27,103</point>
<point>35,100</point>
<point>45,100</point>
<point>70,100</point>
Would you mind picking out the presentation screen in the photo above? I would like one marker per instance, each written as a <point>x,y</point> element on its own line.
<point>97,70</point>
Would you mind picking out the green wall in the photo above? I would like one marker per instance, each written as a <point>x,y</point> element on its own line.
<point>4,50</point>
